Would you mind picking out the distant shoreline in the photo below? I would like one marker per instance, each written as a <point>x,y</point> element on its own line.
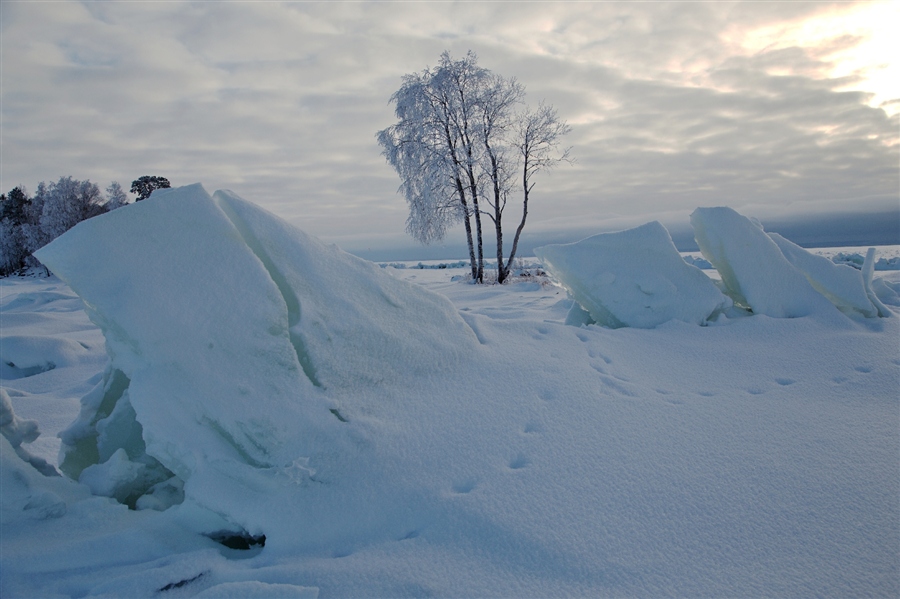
<point>821,231</point>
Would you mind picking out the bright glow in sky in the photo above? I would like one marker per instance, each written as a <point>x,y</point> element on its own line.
<point>859,41</point>
<point>777,107</point>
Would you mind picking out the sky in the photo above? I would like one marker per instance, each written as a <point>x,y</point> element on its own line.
<point>777,109</point>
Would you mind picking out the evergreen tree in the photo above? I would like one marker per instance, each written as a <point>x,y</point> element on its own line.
<point>146,185</point>
<point>13,242</point>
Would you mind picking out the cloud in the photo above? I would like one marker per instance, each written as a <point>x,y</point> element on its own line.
<point>673,105</point>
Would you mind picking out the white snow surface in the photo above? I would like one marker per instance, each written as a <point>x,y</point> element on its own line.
<point>489,450</point>
<point>633,278</point>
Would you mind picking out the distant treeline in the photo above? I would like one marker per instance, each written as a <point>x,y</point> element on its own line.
<point>27,223</point>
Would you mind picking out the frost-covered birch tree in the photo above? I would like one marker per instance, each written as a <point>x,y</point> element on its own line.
<point>29,223</point>
<point>115,196</point>
<point>457,146</point>
<point>431,148</point>
<point>67,203</point>
<point>537,141</point>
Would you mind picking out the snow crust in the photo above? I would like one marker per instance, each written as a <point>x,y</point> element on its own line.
<point>633,278</point>
<point>489,449</point>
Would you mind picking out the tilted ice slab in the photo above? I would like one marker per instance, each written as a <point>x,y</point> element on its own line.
<point>236,345</point>
<point>633,278</point>
<point>754,271</point>
<point>842,285</point>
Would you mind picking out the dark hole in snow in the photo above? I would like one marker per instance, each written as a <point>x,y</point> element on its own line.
<point>338,415</point>
<point>240,541</point>
<point>180,583</point>
<point>11,372</point>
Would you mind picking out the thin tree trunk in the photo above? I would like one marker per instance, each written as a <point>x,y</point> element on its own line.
<point>502,271</point>
<point>473,189</point>
<point>515,244</point>
<point>462,199</point>
<point>498,216</point>
<point>480,242</point>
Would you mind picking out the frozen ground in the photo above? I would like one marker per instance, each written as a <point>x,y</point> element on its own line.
<point>754,457</point>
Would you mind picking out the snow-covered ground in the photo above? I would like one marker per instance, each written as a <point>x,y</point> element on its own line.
<point>755,456</point>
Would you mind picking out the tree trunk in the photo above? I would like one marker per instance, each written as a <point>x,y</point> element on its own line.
<point>502,271</point>
<point>498,218</point>
<point>462,199</point>
<point>515,243</point>
<point>473,190</point>
<point>480,242</point>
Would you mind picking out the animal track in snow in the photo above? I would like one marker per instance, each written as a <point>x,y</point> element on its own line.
<point>547,394</point>
<point>863,369</point>
<point>519,462</point>
<point>595,354</point>
<point>616,384</point>
<point>464,486</point>
<point>533,427</point>
<point>598,368</point>
<point>784,382</point>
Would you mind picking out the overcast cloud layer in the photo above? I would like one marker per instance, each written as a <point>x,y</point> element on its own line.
<point>770,108</point>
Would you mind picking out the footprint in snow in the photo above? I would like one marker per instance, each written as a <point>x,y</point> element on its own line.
<point>464,486</point>
<point>863,369</point>
<point>594,354</point>
<point>616,384</point>
<point>532,427</point>
<point>519,462</point>
<point>785,382</point>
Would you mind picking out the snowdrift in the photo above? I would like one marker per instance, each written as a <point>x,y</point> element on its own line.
<point>238,347</point>
<point>637,278</point>
<point>361,436</point>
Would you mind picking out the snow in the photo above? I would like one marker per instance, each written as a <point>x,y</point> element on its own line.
<point>842,285</point>
<point>175,394</point>
<point>755,273</point>
<point>484,447</point>
<point>633,278</point>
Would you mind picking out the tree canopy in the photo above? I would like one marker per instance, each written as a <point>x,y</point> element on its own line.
<point>28,223</point>
<point>463,143</point>
<point>146,185</point>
